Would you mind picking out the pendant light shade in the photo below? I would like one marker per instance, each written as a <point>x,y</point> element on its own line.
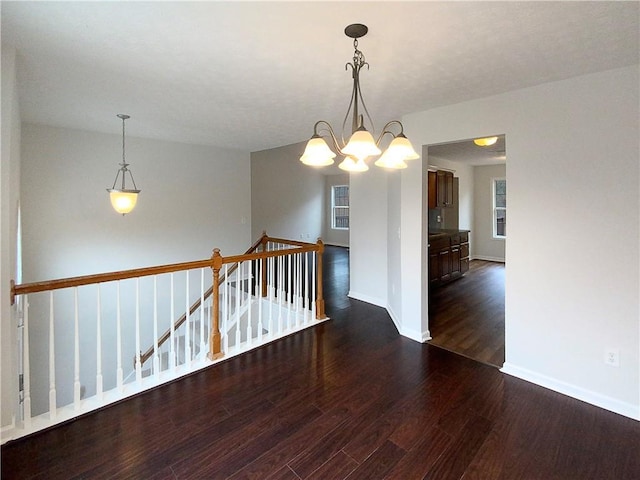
<point>123,199</point>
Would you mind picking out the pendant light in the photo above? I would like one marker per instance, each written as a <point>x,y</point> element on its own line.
<point>361,144</point>
<point>123,199</point>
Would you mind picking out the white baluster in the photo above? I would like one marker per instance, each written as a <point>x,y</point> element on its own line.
<point>237,312</point>
<point>249,281</point>
<point>76,352</point>
<point>313,286</point>
<point>138,364</point>
<point>119,372</point>
<point>289,295</point>
<point>202,315</point>
<point>172,349</point>
<point>52,362</point>
<point>26,370</point>
<point>259,268</point>
<point>99,386</point>
<point>227,308</point>
<point>156,353</point>
<point>187,336</point>
<point>280,295</point>
<point>271,265</point>
<point>306,288</point>
<point>298,286</point>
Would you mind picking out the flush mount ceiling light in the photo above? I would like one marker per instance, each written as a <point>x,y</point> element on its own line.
<point>123,199</point>
<point>361,144</point>
<point>486,141</point>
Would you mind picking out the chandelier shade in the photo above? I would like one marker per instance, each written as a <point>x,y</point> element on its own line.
<point>361,144</point>
<point>123,199</point>
<point>317,153</point>
<point>350,164</point>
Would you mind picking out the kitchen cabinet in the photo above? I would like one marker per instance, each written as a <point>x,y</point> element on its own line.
<point>432,189</point>
<point>448,256</point>
<point>444,189</point>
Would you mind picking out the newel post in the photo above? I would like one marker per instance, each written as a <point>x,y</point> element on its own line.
<point>263,271</point>
<point>215,344</point>
<point>320,300</point>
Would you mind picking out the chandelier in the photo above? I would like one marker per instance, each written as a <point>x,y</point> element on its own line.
<point>361,144</point>
<point>123,199</point>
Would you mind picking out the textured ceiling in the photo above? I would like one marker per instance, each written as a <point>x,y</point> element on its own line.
<point>256,75</point>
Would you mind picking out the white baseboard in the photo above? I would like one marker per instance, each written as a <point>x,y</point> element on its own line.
<point>366,298</point>
<point>623,408</point>
<point>487,258</point>
<point>421,337</point>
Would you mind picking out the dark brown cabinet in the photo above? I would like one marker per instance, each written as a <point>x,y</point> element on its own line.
<point>440,184</point>
<point>448,256</point>
<point>444,188</point>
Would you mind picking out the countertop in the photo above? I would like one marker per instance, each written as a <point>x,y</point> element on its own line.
<point>443,232</point>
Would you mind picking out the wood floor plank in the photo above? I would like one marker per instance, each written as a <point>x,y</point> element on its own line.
<point>348,398</point>
<point>337,467</point>
<point>467,316</point>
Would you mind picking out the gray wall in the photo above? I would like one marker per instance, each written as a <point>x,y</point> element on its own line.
<point>193,198</point>
<point>9,206</point>
<point>287,197</point>
<point>485,246</point>
<point>331,235</point>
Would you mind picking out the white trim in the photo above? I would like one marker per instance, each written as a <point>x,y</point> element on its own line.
<point>487,258</point>
<point>603,401</point>
<point>366,298</point>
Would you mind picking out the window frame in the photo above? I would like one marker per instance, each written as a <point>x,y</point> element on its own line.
<point>496,208</point>
<point>334,207</point>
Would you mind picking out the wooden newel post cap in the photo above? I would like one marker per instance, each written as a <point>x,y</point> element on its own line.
<point>320,244</point>
<point>216,259</point>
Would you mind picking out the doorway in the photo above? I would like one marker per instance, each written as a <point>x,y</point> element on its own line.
<point>466,293</point>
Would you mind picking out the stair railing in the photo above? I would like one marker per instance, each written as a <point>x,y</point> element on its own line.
<point>261,280</point>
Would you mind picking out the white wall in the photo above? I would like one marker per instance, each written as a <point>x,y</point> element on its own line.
<point>193,198</point>
<point>9,204</point>
<point>287,197</point>
<point>486,247</point>
<point>368,236</point>
<point>334,236</point>
<point>571,292</point>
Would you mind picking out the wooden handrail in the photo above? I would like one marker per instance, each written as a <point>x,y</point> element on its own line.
<point>47,285</point>
<point>215,262</point>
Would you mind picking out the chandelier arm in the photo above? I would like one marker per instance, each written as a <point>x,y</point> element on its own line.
<point>351,105</point>
<point>336,145</point>
<point>386,130</point>
<point>364,105</point>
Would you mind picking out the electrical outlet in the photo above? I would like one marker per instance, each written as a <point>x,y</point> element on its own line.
<point>612,357</point>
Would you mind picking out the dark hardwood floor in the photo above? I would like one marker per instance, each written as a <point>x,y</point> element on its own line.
<point>467,316</point>
<point>349,398</point>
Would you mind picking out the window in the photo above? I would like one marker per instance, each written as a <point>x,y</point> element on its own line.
<point>340,207</point>
<point>499,208</point>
